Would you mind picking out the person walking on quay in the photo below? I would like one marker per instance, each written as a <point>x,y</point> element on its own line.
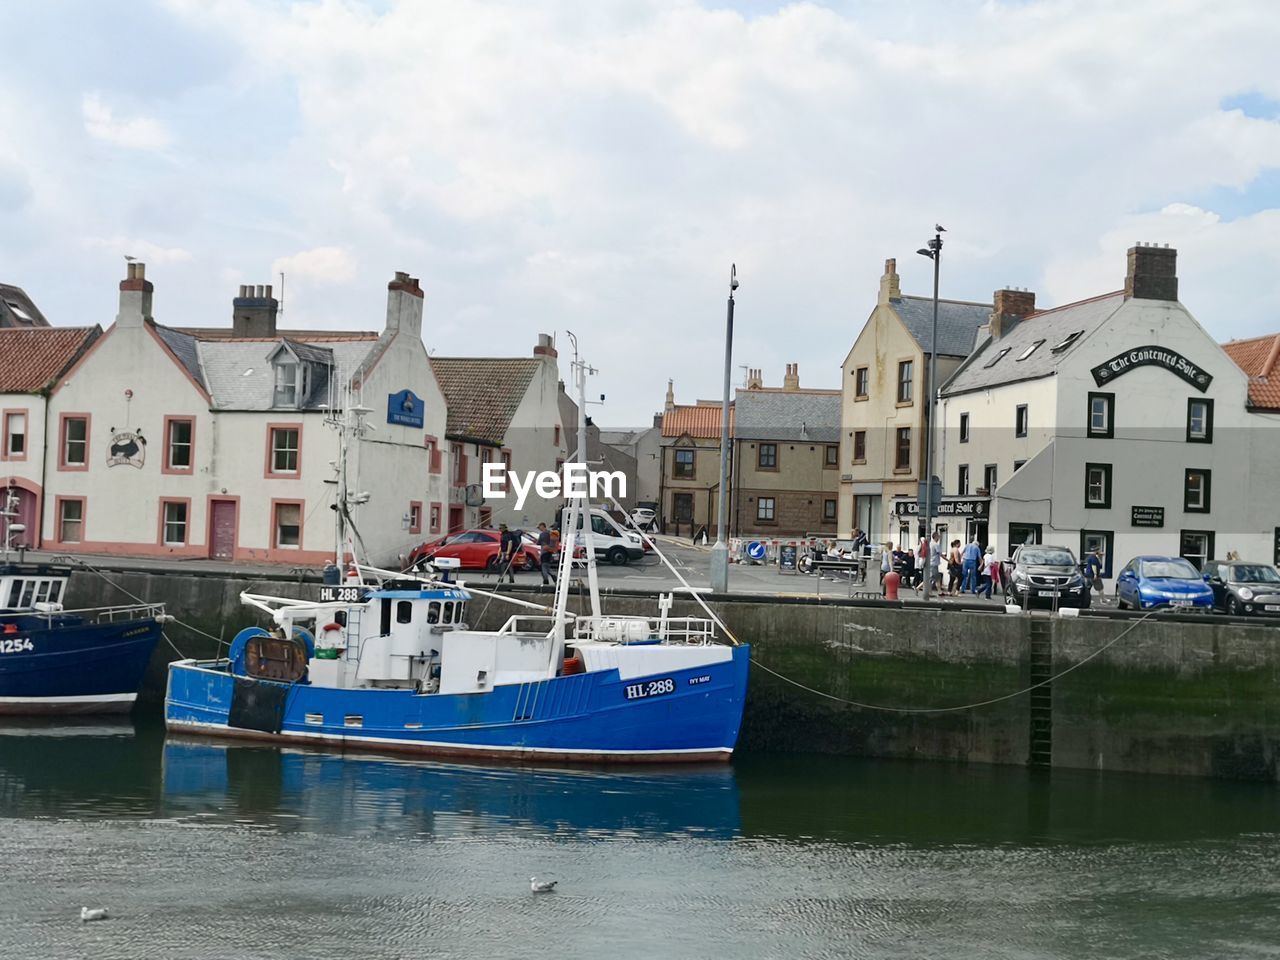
<point>1093,567</point>
<point>860,545</point>
<point>546,549</point>
<point>507,549</point>
<point>933,549</point>
<point>969,560</point>
<point>955,567</point>
<point>886,561</point>
<point>991,571</point>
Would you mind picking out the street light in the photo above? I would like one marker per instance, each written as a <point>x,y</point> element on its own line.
<point>934,252</point>
<point>720,552</point>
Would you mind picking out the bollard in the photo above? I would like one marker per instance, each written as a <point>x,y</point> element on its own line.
<point>891,581</point>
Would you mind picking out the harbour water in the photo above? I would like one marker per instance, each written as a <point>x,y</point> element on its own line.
<point>203,850</point>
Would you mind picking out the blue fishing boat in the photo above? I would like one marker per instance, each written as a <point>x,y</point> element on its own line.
<point>388,661</point>
<point>68,661</point>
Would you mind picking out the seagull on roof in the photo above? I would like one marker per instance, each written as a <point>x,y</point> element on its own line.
<point>939,228</point>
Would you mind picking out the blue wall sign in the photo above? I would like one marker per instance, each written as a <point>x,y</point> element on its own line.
<point>406,409</point>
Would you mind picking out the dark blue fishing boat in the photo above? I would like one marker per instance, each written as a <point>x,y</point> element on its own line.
<point>68,661</point>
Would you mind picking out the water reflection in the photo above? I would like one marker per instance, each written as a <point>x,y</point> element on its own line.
<point>353,795</point>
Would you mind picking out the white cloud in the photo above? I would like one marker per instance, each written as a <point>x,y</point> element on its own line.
<point>143,250</point>
<point>134,133</point>
<point>324,265</point>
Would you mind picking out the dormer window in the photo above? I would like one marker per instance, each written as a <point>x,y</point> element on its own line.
<point>288,387</point>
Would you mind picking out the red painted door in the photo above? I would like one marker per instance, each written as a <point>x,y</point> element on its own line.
<point>455,518</point>
<point>25,508</point>
<point>222,532</point>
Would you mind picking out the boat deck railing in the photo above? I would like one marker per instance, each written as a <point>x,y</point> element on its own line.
<point>633,629</point>
<point>133,611</point>
<point>528,624</point>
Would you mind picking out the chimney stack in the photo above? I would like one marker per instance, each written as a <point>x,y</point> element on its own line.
<point>791,382</point>
<point>755,378</point>
<point>1152,274</point>
<point>253,312</point>
<point>889,288</point>
<point>671,396</point>
<point>546,346</point>
<point>404,305</point>
<point>1008,306</point>
<point>135,297</point>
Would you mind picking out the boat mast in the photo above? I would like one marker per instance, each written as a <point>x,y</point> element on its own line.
<point>9,513</point>
<point>348,420</point>
<point>580,369</point>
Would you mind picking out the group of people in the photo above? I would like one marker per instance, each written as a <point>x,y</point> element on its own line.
<point>968,568</point>
<point>510,542</point>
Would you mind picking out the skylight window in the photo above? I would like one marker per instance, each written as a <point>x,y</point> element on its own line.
<point>1070,339</point>
<point>1030,350</point>
<point>19,312</point>
<point>996,359</point>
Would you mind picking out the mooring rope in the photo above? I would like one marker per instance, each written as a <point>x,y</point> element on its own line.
<point>967,706</point>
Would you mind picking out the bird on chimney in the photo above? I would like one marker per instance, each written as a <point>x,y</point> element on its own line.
<point>939,228</point>
<point>129,258</point>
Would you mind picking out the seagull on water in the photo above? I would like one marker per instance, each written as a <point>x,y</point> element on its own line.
<point>542,886</point>
<point>96,913</point>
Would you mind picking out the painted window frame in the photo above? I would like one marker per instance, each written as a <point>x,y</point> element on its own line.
<point>962,480</point>
<point>859,446</point>
<point>861,383</point>
<point>831,456</point>
<point>5,453</point>
<point>1108,432</point>
<point>772,511</point>
<point>1206,490</point>
<point>990,478</point>
<point>458,473</point>
<point>162,534</point>
<point>830,509</point>
<point>435,458</point>
<point>1208,419</point>
<point>1021,420</point>
<point>964,427</point>
<point>276,504</point>
<point>1109,543</point>
<point>415,516</point>
<point>1210,551</point>
<point>269,473</point>
<point>60,520</point>
<point>676,464</point>
<point>64,419</point>
<point>166,462</point>
<point>435,517</point>
<point>907,382</point>
<point>1106,470</point>
<point>772,466</point>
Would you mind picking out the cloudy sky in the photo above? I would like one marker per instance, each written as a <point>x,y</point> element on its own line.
<point>596,166</point>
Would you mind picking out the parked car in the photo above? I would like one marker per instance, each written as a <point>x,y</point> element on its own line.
<point>1243,588</point>
<point>475,550</point>
<point>1044,574</point>
<point>645,518</point>
<point>1150,583</point>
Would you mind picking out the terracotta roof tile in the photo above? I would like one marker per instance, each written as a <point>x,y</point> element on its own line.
<point>700,421</point>
<point>482,394</point>
<point>30,358</point>
<point>1259,358</point>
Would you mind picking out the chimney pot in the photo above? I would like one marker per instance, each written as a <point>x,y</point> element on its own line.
<point>402,276</point>
<point>1008,306</point>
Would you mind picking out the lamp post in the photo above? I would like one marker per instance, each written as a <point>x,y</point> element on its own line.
<point>934,252</point>
<point>720,552</point>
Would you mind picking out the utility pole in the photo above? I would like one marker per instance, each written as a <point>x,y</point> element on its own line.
<point>934,252</point>
<point>720,552</point>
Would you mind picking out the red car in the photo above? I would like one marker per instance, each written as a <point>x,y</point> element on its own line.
<point>475,550</point>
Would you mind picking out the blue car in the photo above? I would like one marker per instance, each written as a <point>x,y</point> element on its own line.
<point>1154,583</point>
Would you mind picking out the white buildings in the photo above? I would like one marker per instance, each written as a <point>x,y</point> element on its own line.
<point>183,442</point>
<point>1115,422</point>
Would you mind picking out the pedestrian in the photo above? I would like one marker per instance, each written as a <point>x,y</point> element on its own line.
<point>955,567</point>
<point>969,562</point>
<point>508,546</point>
<point>861,543</point>
<point>934,548</point>
<point>1093,568</point>
<point>546,547</point>
<point>886,560</point>
<point>991,571</point>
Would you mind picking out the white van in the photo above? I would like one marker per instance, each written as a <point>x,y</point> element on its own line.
<point>612,542</point>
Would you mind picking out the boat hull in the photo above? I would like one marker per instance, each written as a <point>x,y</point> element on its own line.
<point>70,666</point>
<point>583,718</point>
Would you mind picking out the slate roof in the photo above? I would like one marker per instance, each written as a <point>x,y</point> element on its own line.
<point>482,394</point>
<point>184,347</point>
<point>958,323</point>
<point>32,356</point>
<point>812,415</point>
<point>302,336</point>
<point>1259,358</point>
<point>700,421</point>
<point>238,375</point>
<point>19,310</point>
<point>1053,326</point>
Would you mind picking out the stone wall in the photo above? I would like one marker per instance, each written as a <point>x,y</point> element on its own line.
<point>1168,697</point>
